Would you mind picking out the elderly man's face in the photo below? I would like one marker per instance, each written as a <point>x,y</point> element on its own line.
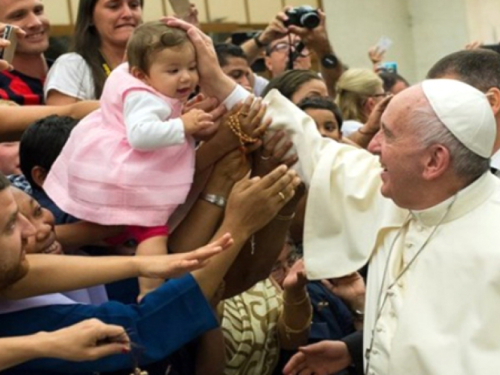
<point>14,233</point>
<point>400,151</point>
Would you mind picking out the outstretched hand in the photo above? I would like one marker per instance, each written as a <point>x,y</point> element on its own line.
<point>175,265</point>
<point>87,341</point>
<point>323,358</point>
<point>253,202</point>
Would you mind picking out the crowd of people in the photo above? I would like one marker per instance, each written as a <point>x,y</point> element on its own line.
<point>164,209</point>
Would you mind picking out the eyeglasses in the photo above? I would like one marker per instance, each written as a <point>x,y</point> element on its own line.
<point>284,47</point>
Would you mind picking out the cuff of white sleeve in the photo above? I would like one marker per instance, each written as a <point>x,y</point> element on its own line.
<point>237,95</point>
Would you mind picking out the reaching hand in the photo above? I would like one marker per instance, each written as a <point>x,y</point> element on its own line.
<point>350,288</point>
<point>296,278</point>
<point>197,122</point>
<point>175,265</point>
<point>372,125</point>
<point>254,202</point>
<point>87,341</point>
<point>233,166</point>
<point>376,55</point>
<point>314,39</point>
<point>273,153</point>
<point>323,358</point>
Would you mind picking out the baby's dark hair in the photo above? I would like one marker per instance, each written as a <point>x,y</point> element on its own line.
<point>150,38</point>
<point>321,102</point>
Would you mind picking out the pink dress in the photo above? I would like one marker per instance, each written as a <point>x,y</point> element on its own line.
<point>100,178</point>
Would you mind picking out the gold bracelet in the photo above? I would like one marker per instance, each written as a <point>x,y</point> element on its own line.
<point>306,298</point>
<point>285,217</point>
<point>289,330</point>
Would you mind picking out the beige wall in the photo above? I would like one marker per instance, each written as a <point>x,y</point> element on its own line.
<point>422,30</point>
<point>356,25</point>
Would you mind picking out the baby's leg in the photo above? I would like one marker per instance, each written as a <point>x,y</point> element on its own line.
<point>151,241</point>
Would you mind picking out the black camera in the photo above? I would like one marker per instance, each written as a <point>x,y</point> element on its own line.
<point>304,16</point>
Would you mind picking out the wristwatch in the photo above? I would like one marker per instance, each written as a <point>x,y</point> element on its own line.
<point>258,42</point>
<point>217,200</point>
<point>329,61</point>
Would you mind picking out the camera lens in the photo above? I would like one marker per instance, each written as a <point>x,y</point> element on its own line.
<point>310,20</point>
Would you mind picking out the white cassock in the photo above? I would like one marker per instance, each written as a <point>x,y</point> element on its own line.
<point>442,316</point>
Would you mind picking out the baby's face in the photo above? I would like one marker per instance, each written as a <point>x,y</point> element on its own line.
<point>173,72</point>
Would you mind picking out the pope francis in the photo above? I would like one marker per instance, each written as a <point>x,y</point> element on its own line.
<point>423,210</point>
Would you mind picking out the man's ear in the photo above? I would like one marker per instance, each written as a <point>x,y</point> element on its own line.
<point>268,63</point>
<point>493,95</point>
<point>38,174</point>
<point>437,162</point>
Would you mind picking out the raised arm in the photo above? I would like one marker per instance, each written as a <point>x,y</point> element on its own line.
<point>15,120</point>
<point>75,272</point>
<point>317,40</point>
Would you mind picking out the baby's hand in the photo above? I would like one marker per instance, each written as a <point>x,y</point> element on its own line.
<point>196,121</point>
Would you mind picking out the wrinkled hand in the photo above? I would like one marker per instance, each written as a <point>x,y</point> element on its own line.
<point>376,55</point>
<point>213,81</point>
<point>273,153</point>
<point>87,341</point>
<point>296,279</point>
<point>323,358</point>
<point>175,265</point>
<point>254,202</point>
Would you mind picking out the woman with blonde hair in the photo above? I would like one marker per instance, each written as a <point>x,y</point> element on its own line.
<point>358,92</point>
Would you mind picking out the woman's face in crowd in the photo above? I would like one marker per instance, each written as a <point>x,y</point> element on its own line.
<point>314,87</point>
<point>326,122</point>
<point>115,20</point>
<point>44,240</point>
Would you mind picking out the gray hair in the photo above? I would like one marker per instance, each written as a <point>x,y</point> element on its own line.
<point>430,130</point>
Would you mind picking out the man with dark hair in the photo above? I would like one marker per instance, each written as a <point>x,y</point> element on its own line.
<point>234,64</point>
<point>479,68</point>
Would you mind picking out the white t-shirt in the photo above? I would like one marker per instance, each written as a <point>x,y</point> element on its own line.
<point>350,126</point>
<point>70,75</point>
<point>259,84</point>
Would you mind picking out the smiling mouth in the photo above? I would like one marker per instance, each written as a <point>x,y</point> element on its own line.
<point>35,35</point>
